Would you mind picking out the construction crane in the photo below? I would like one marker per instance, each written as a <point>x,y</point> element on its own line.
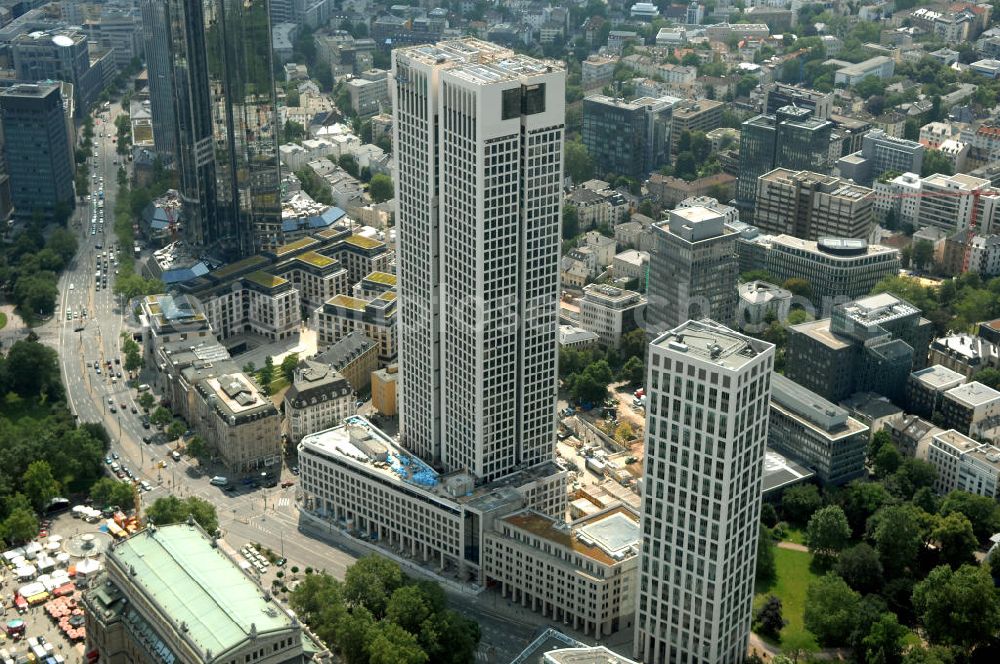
<point>970,229</point>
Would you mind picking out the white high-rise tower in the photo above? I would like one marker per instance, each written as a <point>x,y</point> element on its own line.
<point>478,133</point>
<point>706,427</point>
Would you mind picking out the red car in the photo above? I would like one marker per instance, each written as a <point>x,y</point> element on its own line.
<point>287,483</point>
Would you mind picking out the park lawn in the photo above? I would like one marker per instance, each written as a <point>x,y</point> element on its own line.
<point>792,580</point>
<point>3,320</point>
<point>795,535</point>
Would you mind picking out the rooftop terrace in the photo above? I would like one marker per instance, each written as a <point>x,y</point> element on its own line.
<point>711,342</point>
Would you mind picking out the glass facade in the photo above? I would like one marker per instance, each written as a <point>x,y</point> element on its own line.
<point>227,123</point>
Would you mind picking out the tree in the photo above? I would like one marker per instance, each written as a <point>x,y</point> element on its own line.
<point>958,608</point>
<point>981,511</point>
<point>106,492</point>
<point>887,461</point>
<point>988,377</point>
<point>633,371</point>
<point>171,509</point>
<point>768,619</point>
<point>176,430</point>
<point>884,642</point>
<point>799,502</point>
<point>828,531</point>
<point>147,400</point>
<point>391,644</point>
<point>266,374</point>
<point>912,476</point>
<point>288,366</point>
<point>133,360</point>
<point>879,440</point>
<point>861,568</point>
<point>955,539</point>
<point>899,535</point>
<point>32,370</point>
<point>408,608</point>
<point>380,188</point>
<point>161,416</point>
<point>936,162</point>
<point>591,385</point>
<point>370,582</point>
<point>830,610</point>
<point>197,447</point>
<point>685,166</point>
<point>353,634</point>
<point>798,286</point>
<point>20,525</point>
<point>923,254</point>
<point>766,569</point>
<point>39,485</point>
<point>570,222</point>
<point>293,131</point>
<point>579,164</point>
<point>348,163</point>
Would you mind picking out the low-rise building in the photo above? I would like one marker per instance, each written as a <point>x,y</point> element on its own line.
<point>317,399</point>
<point>972,408</point>
<point>355,357</point>
<point>816,433</point>
<point>964,464</point>
<point>171,594</point>
<point>871,409</point>
<point>577,337</point>
<point>852,73</point>
<point>925,388</point>
<point>610,312</point>
<point>582,573</point>
<point>369,92</point>
<point>630,264</point>
<point>912,435</point>
<point>759,304</point>
<point>597,71</point>
<point>385,387</point>
<point>965,353</point>
<point>238,421</point>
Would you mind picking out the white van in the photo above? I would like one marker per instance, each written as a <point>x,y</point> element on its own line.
<point>143,387</point>
<point>218,480</point>
<point>175,455</point>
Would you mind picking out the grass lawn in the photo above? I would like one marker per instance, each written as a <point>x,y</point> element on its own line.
<point>795,535</point>
<point>793,578</point>
<point>3,320</point>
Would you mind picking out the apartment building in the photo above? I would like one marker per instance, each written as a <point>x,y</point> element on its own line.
<point>359,480</point>
<point>317,399</point>
<point>263,304</point>
<point>947,202</point>
<point>965,353</point>
<point>811,206</point>
<point>837,269</point>
<point>170,593</point>
<point>972,408</point>
<point>925,389</point>
<point>611,312</point>
<point>581,573</point>
<point>964,464</point>
<point>707,425</point>
<point>900,196</point>
<point>693,269</point>
<point>816,433</point>
<point>385,388</point>
<point>353,356</point>
<point>375,318</point>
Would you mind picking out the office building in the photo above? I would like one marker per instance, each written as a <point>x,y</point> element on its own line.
<point>925,389</point>
<point>972,408</point>
<point>37,151</point>
<point>238,421</point>
<point>837,269</point>
<point>948,202</point>
<point>582,573</point>
<point>478,259</point>
<point>691,115</point>
<point>226,115</point>
<point>359,478</point>
<point>816,433</point>
<point>317,399</point>
<point>782,94</point>
<point>58,55</point>
<point>374,317</point>
<point>693,271</point>
<point>172,594</point>
<point>791,138</point>
<point>811,206</point>
<point>852,73</point>
<point>964,464</point>
<point>597,71</point>
<point>630,138</point>
<point>707,424</point>
<point>610,312</point>
<point>156,42</point>
<point>871,344</point>
<point>355,357</point>
<point>879,154</point>
<point>369,92</point>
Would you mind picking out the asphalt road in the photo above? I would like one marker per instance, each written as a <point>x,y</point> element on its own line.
<point>268,517</point>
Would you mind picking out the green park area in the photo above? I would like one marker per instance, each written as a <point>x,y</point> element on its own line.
<point>793,574</point>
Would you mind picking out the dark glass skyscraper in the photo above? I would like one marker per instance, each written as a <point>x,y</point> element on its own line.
<point>226,115</point>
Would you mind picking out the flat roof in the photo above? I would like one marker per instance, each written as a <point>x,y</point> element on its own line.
<point>973,394</point>
<point>384,278</point>
<point>820,331</point>
<point>291,247</point>
<point>712,342</point>
<point>363,242</point>
<point>316,259</point>
<point>266,280</point>
<point>607,538</point>
<point>938,376</point>
<point>781,472</point>
<point>348,302</point>
<point>195,584</point>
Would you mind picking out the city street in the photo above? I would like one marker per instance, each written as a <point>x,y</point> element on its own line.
<point>268,517</point>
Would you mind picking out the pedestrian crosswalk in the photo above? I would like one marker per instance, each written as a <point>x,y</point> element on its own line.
<point>284,502</point>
